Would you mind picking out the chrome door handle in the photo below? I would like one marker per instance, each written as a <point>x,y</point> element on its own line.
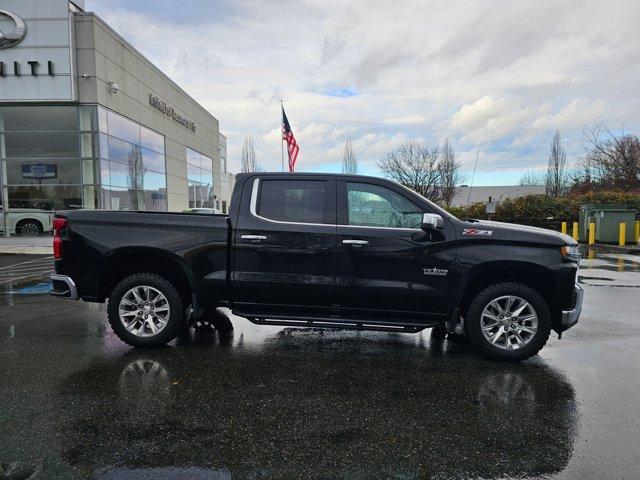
<point>355,243</point>
<point>253,238</point>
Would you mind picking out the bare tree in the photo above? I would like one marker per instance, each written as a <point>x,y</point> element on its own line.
<point>349,159</point>
<point>135,177</point>
<point>450,175</point>
<point>532,178</point>
<point>248,161</point>
<point>611,160</point>
<point>556,179</point>
<point>414,165</point>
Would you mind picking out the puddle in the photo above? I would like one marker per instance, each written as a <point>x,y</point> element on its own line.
<point>607,269</point>
<point>37,289</point>
<point>21,470</point>
<point>264,414</point>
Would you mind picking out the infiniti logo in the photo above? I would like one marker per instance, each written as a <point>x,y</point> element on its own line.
<point>16,35</point>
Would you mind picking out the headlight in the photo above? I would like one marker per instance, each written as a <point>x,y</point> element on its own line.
<point>571,253</point>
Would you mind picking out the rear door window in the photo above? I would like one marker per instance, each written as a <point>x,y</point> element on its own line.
<point>298,201</point>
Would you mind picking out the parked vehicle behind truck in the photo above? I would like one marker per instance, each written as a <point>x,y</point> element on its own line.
<point>322,250</point>
<point>25,222</point>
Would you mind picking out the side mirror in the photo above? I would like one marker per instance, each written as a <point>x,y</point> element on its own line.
<point>431,221</point>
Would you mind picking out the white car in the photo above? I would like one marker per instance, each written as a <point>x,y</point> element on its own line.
<point>26,222</point>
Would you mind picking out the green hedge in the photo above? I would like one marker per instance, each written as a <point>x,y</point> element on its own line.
<point>543,209</point>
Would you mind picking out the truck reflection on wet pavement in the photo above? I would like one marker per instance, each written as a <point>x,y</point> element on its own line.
<point>266,402</point>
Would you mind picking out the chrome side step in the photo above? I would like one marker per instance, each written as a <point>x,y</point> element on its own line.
<point>347,324</point>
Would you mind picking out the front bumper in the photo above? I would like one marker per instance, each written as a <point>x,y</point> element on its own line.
<point>570,317</point>
<point>63,287</point>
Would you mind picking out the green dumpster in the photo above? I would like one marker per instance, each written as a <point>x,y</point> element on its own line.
<point>608,225</point>
<point>605,217</point>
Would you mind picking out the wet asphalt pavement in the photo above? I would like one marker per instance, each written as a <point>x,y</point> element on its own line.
<point>268,402</point>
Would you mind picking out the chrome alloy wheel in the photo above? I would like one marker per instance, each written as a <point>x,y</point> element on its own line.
<point>29,230</point>
<point>144,311</point>
<point>509,322</point>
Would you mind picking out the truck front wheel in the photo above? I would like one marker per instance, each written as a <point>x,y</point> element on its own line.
<point>145,310</point>
<point>508,321</point>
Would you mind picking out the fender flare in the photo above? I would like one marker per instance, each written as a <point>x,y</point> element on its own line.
<point>164,255</point>
<point>474,273</point>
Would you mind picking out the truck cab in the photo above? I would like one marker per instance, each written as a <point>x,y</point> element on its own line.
<point>350,248</point>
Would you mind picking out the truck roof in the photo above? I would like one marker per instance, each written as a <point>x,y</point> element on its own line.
<point>310,174</point>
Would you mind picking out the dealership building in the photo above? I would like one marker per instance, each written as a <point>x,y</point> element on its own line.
<point>86,121</point>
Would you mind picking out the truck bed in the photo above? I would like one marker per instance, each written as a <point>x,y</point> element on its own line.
<point>96,237</point>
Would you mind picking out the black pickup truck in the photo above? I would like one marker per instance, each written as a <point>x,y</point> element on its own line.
<point>322,250</point>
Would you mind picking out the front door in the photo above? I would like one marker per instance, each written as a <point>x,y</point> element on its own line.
<point>285,244</point>
<point>386,266</point>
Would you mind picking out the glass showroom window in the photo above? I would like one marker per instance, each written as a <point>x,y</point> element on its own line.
<point>132,167</point>
<point>87,116</point>
<point>40,168</point>
<point>200,179</point>
<point>39,164</point>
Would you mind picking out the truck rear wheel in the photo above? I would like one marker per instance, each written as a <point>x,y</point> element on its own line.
<point>145,310</point>
<point>508,321</point>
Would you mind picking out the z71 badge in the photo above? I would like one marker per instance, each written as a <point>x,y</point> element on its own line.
<point>475,231</point>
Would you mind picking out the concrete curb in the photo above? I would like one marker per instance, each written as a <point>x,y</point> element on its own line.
<point>25,250</point>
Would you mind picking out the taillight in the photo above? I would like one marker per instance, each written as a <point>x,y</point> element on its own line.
<point>59,224</point>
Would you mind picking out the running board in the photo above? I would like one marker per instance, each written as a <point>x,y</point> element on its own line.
<point>347,324</point>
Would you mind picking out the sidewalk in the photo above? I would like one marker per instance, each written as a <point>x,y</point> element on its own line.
<point>27,245</point>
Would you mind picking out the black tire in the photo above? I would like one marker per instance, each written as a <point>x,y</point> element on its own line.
<point>29,228</point>
<point>439,332</point>
<point>175,323</point>
<point>484,346</point>
<point>213,319</point>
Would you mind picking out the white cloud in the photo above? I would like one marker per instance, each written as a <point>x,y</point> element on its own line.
<point>496,76</point>
<point>406,120</point>
<point>489,119</point>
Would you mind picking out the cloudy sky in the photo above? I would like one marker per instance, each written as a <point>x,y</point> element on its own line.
<point>496,77</point>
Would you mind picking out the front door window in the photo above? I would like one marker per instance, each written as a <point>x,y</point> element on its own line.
<point>375,206</point>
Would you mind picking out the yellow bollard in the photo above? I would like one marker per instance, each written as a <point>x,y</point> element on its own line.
<point>623,234</point>
<point>564,227</point>
<point>575,231</point>
<point>636,235</point>
<point>592,233</point>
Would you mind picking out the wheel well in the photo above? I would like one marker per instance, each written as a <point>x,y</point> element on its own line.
<point>540,281</point>
<point>26,220</point>
<point>124,265</point>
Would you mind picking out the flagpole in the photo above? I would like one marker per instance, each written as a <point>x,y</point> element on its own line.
<point>281,137</point>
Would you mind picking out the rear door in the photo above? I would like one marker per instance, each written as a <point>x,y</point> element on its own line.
<point>386,265</point>
<point>285,246</point>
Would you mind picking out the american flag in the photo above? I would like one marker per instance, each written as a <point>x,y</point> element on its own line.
<point>292,145</point>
